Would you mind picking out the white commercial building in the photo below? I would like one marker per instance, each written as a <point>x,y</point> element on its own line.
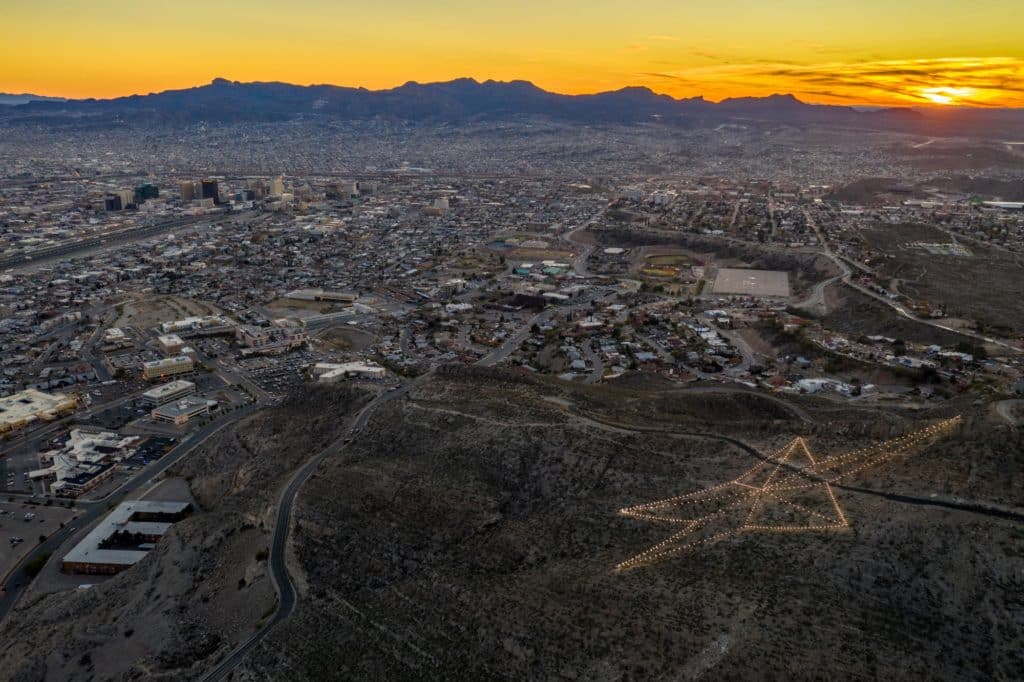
<point>85,461</point>
<point>328,372</point>
<point>281,337</point>
<point>207,323</point>
<point>165,393</point>
<point>181,411</point>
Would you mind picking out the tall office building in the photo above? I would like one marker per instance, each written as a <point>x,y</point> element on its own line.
<point>258,188</point>
<point>277,186</point>
<point>187,189</point>
<point>146,191</point>
<point>210,190</point>
<point>119,201</point>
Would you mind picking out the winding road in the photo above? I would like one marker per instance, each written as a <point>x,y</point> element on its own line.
<point>816,298</point>
<point>288,597</point>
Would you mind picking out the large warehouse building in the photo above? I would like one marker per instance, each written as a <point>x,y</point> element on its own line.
<point>21,409</point>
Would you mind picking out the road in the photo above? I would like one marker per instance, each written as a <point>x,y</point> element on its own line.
<point>514,341</point>
<point>847,279</point>
<point>1005,410</point>
<point>288,597</point>
<point>596,363</point>
<point>746,352</point>
<point>579,264</point>
<point>18,580</point>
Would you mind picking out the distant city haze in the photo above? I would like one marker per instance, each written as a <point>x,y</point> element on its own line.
<point>874,52</point>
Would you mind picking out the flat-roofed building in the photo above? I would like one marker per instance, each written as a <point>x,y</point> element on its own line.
<point>123,538</point>
<point>281,337</point>
<point>206,325</point>
<point>157,369</point>
<point>85,478</point>
<point>86,460</point>
<point>165,393</point>
<point>115,336</point>
<point>328,372</point>
<point>181,411</point>
<point>170,343</point>
<point>26,407</point>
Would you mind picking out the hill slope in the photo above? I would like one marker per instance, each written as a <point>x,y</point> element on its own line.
<point>473,531</point>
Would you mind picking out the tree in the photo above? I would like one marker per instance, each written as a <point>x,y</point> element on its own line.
<point>34,566</point>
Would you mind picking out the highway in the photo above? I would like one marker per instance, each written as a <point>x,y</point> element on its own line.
<point>18,580</point>
<point>579,264</point>
<point>287,595</point>
<point>102,240</point>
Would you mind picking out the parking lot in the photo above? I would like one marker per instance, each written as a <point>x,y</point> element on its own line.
<point>116,418</point>
<point>278,374</point>
<point>15,466</point>
<point>21,524</point>
<point>133,360</point>
<point>151,450</point>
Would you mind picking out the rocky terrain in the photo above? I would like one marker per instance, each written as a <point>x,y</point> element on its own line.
<point>472,532</point>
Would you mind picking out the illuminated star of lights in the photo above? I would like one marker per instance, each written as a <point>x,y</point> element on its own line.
<point>788,492</point>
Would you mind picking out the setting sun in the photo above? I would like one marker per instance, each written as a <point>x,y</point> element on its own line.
<point>947,95</point>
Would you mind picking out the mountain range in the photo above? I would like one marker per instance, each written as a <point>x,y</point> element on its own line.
<point>466,99</point>
<point>8,99</point>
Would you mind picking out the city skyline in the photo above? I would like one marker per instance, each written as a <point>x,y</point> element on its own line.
<point>902,53</point>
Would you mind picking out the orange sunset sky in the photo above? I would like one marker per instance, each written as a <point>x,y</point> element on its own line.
<point>895,52</point>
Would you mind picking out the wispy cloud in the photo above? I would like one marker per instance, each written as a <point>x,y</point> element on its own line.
<point>974,81</point>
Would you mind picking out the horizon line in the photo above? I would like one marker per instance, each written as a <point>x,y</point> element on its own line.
<point>855,105</point>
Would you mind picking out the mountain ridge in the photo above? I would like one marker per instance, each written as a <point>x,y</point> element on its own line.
<point>463,99</point>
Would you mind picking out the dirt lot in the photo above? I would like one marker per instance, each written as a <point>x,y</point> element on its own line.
<point>148,311</point>
<point>539,254</point>
<point>346,338</point>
